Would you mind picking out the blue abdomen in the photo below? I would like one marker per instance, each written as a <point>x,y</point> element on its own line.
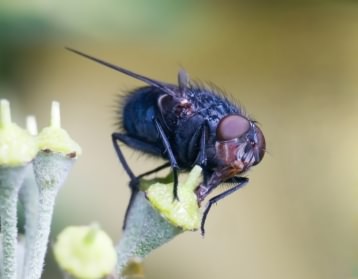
<point>139,109</point>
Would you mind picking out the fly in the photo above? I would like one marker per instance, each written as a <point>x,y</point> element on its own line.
<point>187,124</point>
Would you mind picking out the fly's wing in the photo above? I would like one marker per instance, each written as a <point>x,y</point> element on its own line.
<point>167,88</point>
<point>171,104</point>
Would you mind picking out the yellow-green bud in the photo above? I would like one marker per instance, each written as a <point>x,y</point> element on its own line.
<point>184,213</point>
<point>85,252</point>
<point>17,146</point>
<point>56,139</point>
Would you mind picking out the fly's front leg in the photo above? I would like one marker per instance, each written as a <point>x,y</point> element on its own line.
<point>171,157</point>
<point>202,159</point>
<point>242,182</point>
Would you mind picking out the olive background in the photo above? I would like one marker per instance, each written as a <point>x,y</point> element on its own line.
<point>292,64</point>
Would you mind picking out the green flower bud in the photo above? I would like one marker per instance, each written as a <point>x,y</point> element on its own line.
<point>51,168</point>
<point>56,139</point>
<point>85,252</point>
<point>155,218</point>
<point>184,213</point>
<point>17,146</point>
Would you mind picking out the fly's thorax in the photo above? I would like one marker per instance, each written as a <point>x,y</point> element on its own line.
<point>174,109</point>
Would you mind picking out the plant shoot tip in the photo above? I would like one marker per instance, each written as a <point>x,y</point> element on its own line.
<point>31,125</point>
<point>55,115</point>
<point>5,113</point>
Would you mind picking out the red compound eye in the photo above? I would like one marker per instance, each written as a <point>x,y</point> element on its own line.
<point>260,146</point>
<point>231,127</point>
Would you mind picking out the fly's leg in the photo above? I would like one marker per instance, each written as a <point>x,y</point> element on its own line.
<point>201,159</point>
<point>164,166</point>
<point>134,186</point>
<point>134,192</point>
<point>119,137</point>
<point>136,144</point>
<point>171,156</point>
<point>134,180</point>
<point>241,183</point>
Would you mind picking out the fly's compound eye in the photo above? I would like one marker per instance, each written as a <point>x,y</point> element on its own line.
<point>231,127</point>
<point>260,146</point>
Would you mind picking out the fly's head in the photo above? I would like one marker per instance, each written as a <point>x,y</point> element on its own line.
<point>240,144</point>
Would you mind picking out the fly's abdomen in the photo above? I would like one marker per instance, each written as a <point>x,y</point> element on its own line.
<point>139,109</point>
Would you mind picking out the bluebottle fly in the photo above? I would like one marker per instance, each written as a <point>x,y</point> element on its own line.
<point>187,124</point>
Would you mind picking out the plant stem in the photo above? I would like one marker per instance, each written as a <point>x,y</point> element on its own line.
<point>10,183</point>
<point>29,197</point>
<point>154,219</point>
<point>51,169</point>
<point>40,239</point>
<point>146,230</point>
<point>9,233</point>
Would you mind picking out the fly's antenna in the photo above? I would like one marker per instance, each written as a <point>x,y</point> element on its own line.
<point>155,83</point>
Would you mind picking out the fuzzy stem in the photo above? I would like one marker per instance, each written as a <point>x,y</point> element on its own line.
<point>29,197</point>
<point>39,246</point>
<point>51,169</point>
<point>154,219</point>
<point>146,230</point>
<point>9,233</point>
<point>10,183</point>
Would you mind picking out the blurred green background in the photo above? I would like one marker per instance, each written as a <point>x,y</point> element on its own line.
<point>292,64</point>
